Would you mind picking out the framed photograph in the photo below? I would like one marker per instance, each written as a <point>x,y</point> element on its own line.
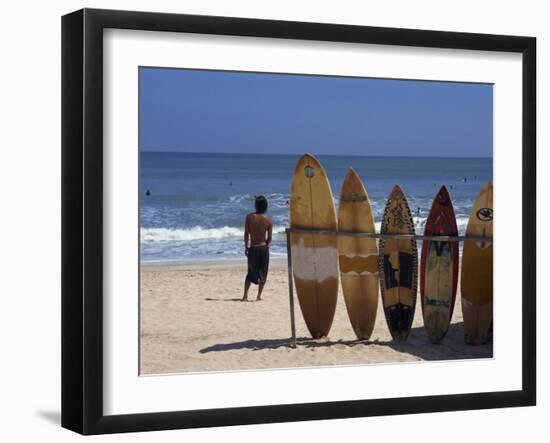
<point>269,221</point>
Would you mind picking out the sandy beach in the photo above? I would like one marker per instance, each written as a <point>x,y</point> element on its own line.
<point>191,320</point>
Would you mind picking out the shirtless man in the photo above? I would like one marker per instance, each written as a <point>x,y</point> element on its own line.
<point>257,229</point>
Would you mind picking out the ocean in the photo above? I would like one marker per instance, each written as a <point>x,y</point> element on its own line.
<point>193,206</point>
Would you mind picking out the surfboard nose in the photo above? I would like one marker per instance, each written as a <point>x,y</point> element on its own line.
<point>351,177</point>
<point>351,173</point>
<point>306,164</point>
<point>397,192</point>
<point>307,157</point>
<point>443,197</point>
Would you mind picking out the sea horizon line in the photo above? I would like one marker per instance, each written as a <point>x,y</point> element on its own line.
<point>317,155</point>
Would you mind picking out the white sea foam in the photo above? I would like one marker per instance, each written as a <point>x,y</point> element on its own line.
<point>161,235</point>
<point>420,224</point>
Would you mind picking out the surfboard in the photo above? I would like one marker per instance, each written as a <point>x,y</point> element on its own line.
<point>398,266</point>
<point>476,283</point>
<point>439,268</point>
<point>358,256</point>
<point>314,256</point>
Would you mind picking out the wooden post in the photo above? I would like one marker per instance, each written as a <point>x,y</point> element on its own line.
<point>290,291</point>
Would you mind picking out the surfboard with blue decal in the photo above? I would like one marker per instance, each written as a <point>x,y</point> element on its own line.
<point>314,255</point>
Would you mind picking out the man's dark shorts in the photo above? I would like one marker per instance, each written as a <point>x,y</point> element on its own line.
<point>258,264</point>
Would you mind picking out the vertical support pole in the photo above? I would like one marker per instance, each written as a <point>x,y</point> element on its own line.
<point>290,290</point>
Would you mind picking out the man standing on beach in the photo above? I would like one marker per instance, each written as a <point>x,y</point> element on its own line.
<point>257,229</point>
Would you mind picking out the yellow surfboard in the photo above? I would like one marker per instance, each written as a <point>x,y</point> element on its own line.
<point>398,266</point>
<point>314,256</point>
<point>358,256</point>
<point>476,282</point>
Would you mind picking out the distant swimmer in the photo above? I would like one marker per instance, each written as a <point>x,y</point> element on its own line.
<point>451,186</point>
<point>147,193</point>
<point>418,211</point>
<point>464,179</point>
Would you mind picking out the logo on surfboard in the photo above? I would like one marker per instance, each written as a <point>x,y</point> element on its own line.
<point>308,170</point>
<point>485,214</point>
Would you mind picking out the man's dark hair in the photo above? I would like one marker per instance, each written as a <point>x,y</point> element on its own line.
<point>261,204</point>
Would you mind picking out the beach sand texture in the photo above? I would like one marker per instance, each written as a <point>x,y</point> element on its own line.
<point>191,320</point>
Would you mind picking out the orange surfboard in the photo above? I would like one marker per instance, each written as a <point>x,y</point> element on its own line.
<point>314,256</point>
<point>358,256</point>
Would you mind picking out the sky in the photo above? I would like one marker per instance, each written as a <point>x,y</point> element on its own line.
<point>236,112</point>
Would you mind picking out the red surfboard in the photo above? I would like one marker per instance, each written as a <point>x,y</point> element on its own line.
<point>439,268</point>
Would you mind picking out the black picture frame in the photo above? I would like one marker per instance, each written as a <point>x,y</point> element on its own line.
<point>82,218</point>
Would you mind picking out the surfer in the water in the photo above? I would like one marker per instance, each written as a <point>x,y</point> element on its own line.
<point>257,231</point>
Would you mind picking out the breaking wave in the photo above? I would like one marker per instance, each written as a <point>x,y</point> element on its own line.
<point>161,235</point>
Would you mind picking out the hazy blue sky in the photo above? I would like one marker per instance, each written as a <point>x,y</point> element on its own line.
<point>213,111</point>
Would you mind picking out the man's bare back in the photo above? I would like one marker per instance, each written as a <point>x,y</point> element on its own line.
<point>259,228</point>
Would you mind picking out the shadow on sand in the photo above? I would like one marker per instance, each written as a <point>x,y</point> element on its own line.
<point>253,345</point>
<point>452,346</point>
<point>417,344</point>
<point>222,299</point>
